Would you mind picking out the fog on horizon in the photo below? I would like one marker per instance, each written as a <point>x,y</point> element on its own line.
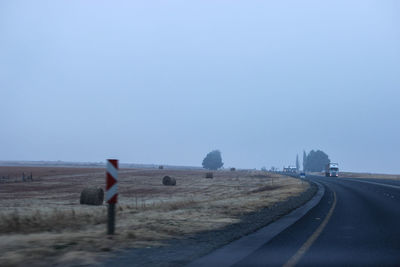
<point>166,82</point>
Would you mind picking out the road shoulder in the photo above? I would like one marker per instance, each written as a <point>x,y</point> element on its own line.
<point>179,252</point>
<point>239,249</point>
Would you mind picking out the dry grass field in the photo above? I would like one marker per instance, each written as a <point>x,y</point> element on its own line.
<point>369,175</point>
<point>42,222</point>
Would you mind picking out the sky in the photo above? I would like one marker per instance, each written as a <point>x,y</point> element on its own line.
<point>166,82</point>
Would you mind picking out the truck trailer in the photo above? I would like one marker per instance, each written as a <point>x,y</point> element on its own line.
<point>332,170</point>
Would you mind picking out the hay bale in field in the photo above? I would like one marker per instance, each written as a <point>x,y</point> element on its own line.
<point>209,175</point>
<point>168,180</point>
<point>92,196</point>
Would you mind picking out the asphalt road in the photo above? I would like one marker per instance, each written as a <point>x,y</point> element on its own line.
<point>356,223</point>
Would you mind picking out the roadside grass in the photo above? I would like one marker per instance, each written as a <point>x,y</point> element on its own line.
<point>55,220</point>
<point>369,175</point>
<point>58,229</point>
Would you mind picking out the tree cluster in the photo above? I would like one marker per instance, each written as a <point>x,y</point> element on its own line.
<point>213,160</point>
<point>315,161</point>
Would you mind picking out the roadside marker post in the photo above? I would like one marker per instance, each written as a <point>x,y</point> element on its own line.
<point>111,193</point>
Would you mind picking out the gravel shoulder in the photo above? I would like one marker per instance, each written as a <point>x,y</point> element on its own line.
<point>179,252</point>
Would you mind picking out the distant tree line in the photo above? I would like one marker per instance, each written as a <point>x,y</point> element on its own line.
<point>315,161</point>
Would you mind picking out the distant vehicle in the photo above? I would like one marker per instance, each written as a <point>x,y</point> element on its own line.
<point>332,170</point>
<point>290,169</point>
<point>302,175</point>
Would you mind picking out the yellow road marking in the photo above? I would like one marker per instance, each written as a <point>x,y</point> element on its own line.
<point>296,257</point>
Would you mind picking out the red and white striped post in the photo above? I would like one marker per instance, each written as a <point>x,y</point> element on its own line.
<point>111,192</point>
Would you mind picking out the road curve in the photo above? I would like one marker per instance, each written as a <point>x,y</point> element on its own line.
<point>356,223</point>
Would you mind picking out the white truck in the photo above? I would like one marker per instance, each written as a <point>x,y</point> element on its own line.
<point>332,170</point>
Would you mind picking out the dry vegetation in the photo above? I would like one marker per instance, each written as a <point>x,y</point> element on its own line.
<point>362,175</point>
<point>369,175</point>
<point>44,220</point>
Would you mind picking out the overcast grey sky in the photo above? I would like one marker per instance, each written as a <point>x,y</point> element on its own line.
<point>165,82</point>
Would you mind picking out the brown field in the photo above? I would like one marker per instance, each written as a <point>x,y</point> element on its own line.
<point>369,175</point>
<point>43,220</point>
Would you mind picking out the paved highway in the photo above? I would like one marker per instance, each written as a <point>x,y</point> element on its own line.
<point>356,223</point>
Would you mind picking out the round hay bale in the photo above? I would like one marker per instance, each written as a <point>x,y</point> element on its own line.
<point>92,196</point>
<point>209,175</point>
<point>168,180</point>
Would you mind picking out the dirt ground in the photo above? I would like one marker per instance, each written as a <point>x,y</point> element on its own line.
<point>42,220</point>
